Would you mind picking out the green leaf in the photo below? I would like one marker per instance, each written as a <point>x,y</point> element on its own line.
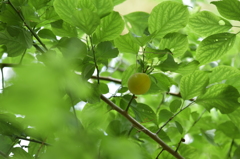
<point>175,105</point>
<point>177,43</point>
<point>106,50</point>
<point>110,27</point>
<point>143,40</point>
<point>104,7</point>
<point>206,23</point>
<point>29,14</point>
<point>47,34</point>
<point>160,82</point>
<point>186,68</point>
<point>103,88</point>
<point>72,48</point>
<point>19,2</point>
<point>169,64</point>
<point>83,18</point>
<point>179,127</point>
<point>19,153</point>
<point>195,115</point>
<point>214,47</point>
<point>86,20</point>
<point>229,129</point>
<point>114,128</point>
<point>234,116</point>
<point>9,16</point>
<point>221,73</point>
<point>228,9</point>
<point>144,113</point>
<point>126,44</point>
<point>137,22</point>
<point>168,17</point>
<point>5,144</point>
<point>63,29</point>
<point>15,45</point>
<point>127,73</point>
<point>89,4</point>
<point>194,84</point>
<point>116,2</point>
<point>220,96</point>
<point>38,4</point>
<point>236,153</point>
<point>164,115</point>
<point>66,9</point>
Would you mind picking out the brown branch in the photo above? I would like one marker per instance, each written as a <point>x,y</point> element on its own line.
<point>108,79</point>
<point>178,95</point>
<point>142,128</point>
<point>2,65</point>
<point>32,140</point>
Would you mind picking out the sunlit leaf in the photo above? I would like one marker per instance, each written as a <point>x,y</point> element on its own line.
<point>228,8</point>
<point>126,44</point>
<point>110,27</point>
<point>206,23</point>
<point>194,84</point>
<point>214,47</point>
<point>168,17</point>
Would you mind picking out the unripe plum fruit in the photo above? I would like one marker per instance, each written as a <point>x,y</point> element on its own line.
<point>139,83</point>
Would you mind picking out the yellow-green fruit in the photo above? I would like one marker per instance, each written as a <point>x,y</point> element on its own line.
<point>139,83</point>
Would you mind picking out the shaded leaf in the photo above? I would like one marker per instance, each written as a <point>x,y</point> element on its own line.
<point>144,113</point>
<point>137,22</point>
<point>229,129</point>
<point>221,96</point>
<point>177,43</point>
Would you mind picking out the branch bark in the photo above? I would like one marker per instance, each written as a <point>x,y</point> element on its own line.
<point>142,128</point>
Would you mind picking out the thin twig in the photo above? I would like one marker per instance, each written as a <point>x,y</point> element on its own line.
<point>195,122</point>
<point>171,118</point>
<point>94,58</point>
<point>3,154</point>
<point>29,28</point>
<point>230,150</point>
<point>32,140</point>
<point>129,132</point>
<point>20,62</point>
<point>142,128</point>
<point>107,79</point>
<point>159,153</point>
<point>41,146</point>
<point>179,143</point>
<point>129,103</point>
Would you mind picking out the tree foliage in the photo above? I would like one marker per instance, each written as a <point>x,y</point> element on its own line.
<point>65,65</point>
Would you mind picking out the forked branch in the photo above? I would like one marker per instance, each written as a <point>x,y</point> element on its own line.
<point>142,128</point>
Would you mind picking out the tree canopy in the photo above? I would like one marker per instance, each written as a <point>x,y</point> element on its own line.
<point>65,66</point>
